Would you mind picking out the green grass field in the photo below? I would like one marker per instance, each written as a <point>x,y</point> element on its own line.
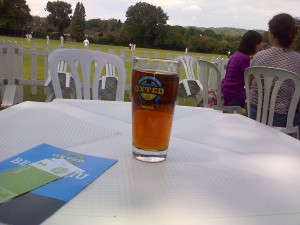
<point>41,43</point>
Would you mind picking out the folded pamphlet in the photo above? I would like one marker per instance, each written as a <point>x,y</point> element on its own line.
<point>47,199</point>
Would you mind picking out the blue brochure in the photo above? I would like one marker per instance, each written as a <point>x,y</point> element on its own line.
<point>47,199</point>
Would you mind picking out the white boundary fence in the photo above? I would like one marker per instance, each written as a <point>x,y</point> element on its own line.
<point>11,70</point>
<point>12,79</point>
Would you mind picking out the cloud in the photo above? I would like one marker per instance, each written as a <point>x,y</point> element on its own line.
<point>247,14</point>
<point>192,8</point>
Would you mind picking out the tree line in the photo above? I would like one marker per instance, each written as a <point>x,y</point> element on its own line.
<point>145,25</point>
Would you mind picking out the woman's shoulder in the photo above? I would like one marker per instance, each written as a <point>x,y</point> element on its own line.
<point>238,55</point>
<point>296,54</point>
<point>277,51</point>
<point>261,57</point>
<point>277,57</point>
<point>268,53</point>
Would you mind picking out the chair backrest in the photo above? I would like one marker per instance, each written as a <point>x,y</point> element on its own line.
<point>223,67</point>
<point>110,69</point>
<point>62,67</point>
<point>189,86</point>
<point>210,78</point>
<point>190,65</point>
<point>269,81</point>
<point>87,61</point>
<point>221,63</point>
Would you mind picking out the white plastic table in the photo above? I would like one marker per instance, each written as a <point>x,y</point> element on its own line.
<point>222,169</point>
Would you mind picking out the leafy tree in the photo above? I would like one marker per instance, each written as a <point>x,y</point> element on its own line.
<point>78,22</point>
<point>174,38</point>
<point>110,25</point>
<point>265,37</point>
<point>144,23</point>
<point>190,32</point>
<point>113,25</point>
<point>203,44</point>
<point>230,37</point>
<point>59,14</point>
<point>223,46</point>
<point>14,14</point>
<point>296,44</point>
<point>92,24</point>
<point>211,33</point>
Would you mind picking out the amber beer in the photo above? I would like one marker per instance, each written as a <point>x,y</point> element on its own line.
<point>154,94</point>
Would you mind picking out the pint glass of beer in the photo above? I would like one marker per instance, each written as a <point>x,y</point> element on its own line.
<point>154,91</point>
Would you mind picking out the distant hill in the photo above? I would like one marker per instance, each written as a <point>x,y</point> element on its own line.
<point>229,30</point>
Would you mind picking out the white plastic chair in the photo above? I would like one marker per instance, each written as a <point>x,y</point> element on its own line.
<point>269,81</point>
<point>190,86</point>
<point>64,79</point>
<point>223,67</point>
<point>108,82</point>
<point>221,63</point>
<point>210,78</point>
<point>88,60</point>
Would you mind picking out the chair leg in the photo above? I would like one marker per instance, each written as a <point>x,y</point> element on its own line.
<point>197,100</point>
<point>49,96</point>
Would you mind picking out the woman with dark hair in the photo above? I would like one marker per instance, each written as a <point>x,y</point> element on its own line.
<point>282,31</point>
<point>233,84</point>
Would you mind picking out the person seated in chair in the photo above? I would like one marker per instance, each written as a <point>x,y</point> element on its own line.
<point>233,84</point>
<point>282,31</point>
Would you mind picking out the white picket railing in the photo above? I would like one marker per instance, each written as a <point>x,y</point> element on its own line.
<point>12,74</point>
<point>12,79</point>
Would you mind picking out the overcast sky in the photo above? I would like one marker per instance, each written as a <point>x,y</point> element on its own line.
<point>246,14</point>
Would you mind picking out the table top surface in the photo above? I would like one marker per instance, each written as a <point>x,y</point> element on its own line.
<point>221,168</point>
